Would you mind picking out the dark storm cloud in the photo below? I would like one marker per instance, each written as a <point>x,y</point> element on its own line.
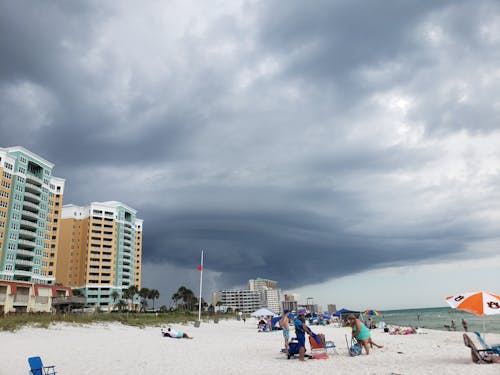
<point>293,247</point>
<point>300,142</point>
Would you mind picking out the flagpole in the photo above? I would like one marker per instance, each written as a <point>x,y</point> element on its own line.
<point>201,283</point>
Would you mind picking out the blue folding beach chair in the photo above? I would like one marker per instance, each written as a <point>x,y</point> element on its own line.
<point>492,348</point>
<point>37,367</point>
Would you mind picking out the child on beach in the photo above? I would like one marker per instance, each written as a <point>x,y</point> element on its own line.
<point>285,325</point>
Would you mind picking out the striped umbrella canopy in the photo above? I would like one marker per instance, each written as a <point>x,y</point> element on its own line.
<point>371,312</point>
<point>477,303</point>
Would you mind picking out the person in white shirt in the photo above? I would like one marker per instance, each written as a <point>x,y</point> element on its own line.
<point>170,332</point>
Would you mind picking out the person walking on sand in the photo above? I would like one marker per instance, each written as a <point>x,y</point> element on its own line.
<point>285,326</point>
<point>361,333</point>
<point>301,329</point>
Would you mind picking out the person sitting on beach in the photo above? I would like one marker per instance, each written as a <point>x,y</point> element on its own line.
<point>361,333</point>
<point>285,325</point>
<point>170,332</point>
<point>300,330</point>
<point>261,326</point>
<point>402,331</point>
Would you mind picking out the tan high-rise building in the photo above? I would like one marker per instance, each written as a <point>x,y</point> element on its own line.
<point>270,294</point>
<point>100,250</point>
<point>30,211</point>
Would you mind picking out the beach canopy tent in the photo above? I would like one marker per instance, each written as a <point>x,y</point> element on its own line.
<point>265,311</point>
<point>345,312</point>
<point>275,321</point>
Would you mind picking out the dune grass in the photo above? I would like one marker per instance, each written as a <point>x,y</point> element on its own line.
<point>13,322</point>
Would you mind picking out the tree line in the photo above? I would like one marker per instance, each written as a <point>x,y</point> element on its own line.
<point>183,299</point>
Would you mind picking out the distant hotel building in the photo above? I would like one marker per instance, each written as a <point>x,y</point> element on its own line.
<point>289,302</point>
<point>100,250</point>
<point>269,292</point>
<point>30,211</point>
<point>260,293</point>
<point>332,309</point>
<point>246,301</point>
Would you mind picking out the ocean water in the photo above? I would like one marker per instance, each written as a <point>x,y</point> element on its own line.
<point>438,317</point>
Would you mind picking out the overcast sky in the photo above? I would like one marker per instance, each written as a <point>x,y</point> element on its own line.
<point>349,150</point>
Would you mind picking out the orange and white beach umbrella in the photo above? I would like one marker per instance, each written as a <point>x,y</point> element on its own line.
<point>477,303</point>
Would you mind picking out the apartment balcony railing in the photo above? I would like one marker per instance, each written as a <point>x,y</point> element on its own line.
<point>31,188</point>
<point>30,206</point>
<point>23,262</point>
<point>26,233</point>
<point>30,214</point>
<point>27,242</point>
<point>33,179</point>
<point>27,253</point>
<point>31,197</point>
<point>28,224</point>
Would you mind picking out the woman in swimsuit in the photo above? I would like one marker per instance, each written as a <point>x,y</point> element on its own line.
<point>362,333</point>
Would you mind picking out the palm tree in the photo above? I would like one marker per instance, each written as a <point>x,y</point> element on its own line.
<point>154,294</point>
<point>144,294</point>
<point>115,295</point>
<point>121,305</point>
<point>186,296</point>
<point>130,293</point>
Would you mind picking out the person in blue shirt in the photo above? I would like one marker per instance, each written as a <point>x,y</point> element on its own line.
<point>300,330</point>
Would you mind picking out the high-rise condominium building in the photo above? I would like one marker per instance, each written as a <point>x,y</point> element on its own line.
<point>30,211</point>
<point>246,301</point>
<point>270,294</point>
<point>100,250</point>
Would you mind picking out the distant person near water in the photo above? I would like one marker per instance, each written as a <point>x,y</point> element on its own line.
<point>285,325</point>
<point>361,333</point>
<point>453,325</point>
<point>464,324</point>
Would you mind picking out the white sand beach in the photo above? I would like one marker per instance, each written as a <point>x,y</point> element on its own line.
<point>230,347</point>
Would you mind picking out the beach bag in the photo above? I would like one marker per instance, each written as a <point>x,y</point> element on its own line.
<point>355,348</point>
